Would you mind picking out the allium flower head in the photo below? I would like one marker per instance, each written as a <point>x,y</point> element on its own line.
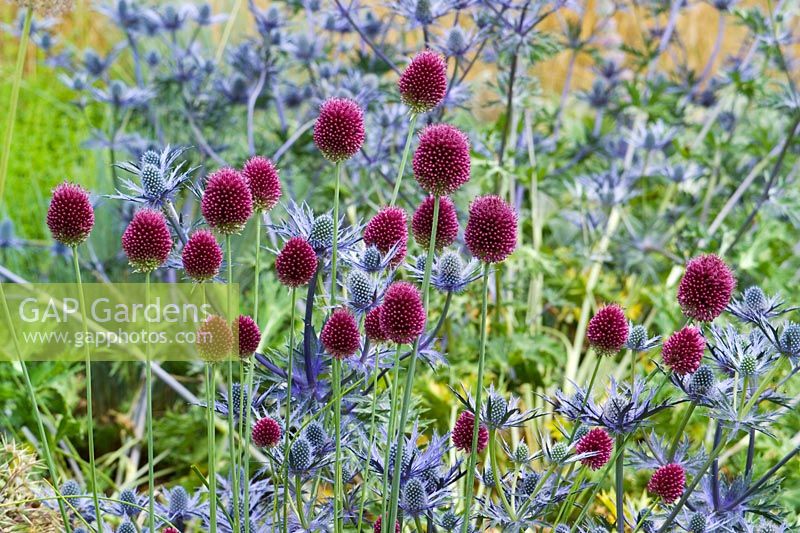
<point>214,339</point>
<point>339,129</point>
<point>683,351</point>
<point>446,226</point>
<point>668,482</point>
<point>706,288</point>
<point>388,230</point>
<point>227,202</point>
<point>441,163</point>
<point>340,335</point>
<point>402,316</point>
<point>372,325</point>
<point>147,241</point>
<point>70,216</point>
<point>491,233</point>
<point>297,263</point>
<point>462,433</point>
<point>265,184</point>
<point>266,433</point>
<point>423,84</point>
<point>201,256</point>
<point>598,442</point>
<point>248,334</point>
<point>608,330</point>
<point>377,527</point>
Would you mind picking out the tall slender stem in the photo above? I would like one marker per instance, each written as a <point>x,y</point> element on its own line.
<point>212,452</point>
<point>678,434</point>
<point>289,378</point>
<point>412,123</point>
<point>620,465</point>
<point>231,425</point>
<point>390,437</point>
<point>496,471</point>
<point>473,456</point>
<point>375,373</point>
<point>149,386</point>
<point>88,365</point>
<point>337,407</point>
<point>412,365</point>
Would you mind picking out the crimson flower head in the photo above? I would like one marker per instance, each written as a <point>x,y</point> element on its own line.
<point>491,233</point>
<point>683,351</point>
<point>608,330</point>
<point>265,185</point>
<point>377,527</point>
<point>339,129</point>
<point>598,442</point>
<point>214,339</point>
<point>227,202</point>
<point>389,227</point>
<point>446,225</point>
<point>70,216</point>
<point>462,433</point>
<point>296,264</point>
<point>668,482</point>
<point>402,315</point>
<point>423,84</point>
<point>266,433</point>
<point>202,256</point>
<point>340,335</point>
<point>706,288</point>
<point>248,334</point>
<point>441,163</point>
<point>372,325</point>
<point>147,241</point>
<point>170,530</point>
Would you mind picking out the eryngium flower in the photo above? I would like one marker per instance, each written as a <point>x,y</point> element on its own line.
<point>214,339</point>
<point>705,288</point>
<point>386,230</point>
<point>491,233</point>
<point>249,335</point>
<point>372,325</point>
<point>789,341</point>
<point>266,433</point>
<point>402,314</point>
<point>202,256</point>
<point>265,185</point>
<point>360,289</point>
<point>683,351</point>
<point>316,435</point>
<point>462,433</point>
<point>340,335</point>
<point>70,216</point>
<point>608,330</point>
<point>296,264</point>
<point>702,381</point>
<point>441,163</point>
<point>227,202</point>
<point>598,442</point>
<point>668,482</point>
<point>423,84</point>
<point>147,241</point>
<point>300,455</point>
<point>339,129</point>
<point>446,226</point>
<point>377,527</point>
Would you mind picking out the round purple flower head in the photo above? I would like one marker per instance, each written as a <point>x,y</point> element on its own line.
<point>296,264</point>
<point>386,229</point>
<point>423,84</point>
<point>372,325</point>
<point>214,339</point>
<point>266,433</point>
<point>377,527</point>
<point>441,163</point>
<point>202,256</point>
<point>706,288</point>
<point>462,433</point>
<point>683,351</point>
<point>491,233</point>
<point>248,334</point>
<point>227,202</point>
<point>147,241</point>
<point>402,314</point>
<point>598,442</point>
<point>70,216</point>
<point>446,225</point>
<point>339,129</point>
<point>668,482</point>
<point>340,335</point>
<point>608,330</point>
<point>265,185</point>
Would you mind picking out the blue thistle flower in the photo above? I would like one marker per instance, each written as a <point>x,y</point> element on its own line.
<point>300,455</point>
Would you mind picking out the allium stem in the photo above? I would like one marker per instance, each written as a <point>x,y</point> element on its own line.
<point>51,465</point>
<point>412,365</point>
<point>88,365</point>
<point>375,374</point>
<point>406,149</point>
<point>231,425</point>
<point>473,456</point>
<point>678,434</point>
<point>620,466</point>
<point>212,454</point>
<point>148,373</point>
<point>390,435</point>
<point>496,471</point>
<point>337,374</point>
<point>289,378</point>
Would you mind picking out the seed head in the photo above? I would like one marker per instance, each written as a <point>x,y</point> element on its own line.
<point>372,325</point>
<point>441,163</point>
<point>70,488</point>
<point>321,235</point>
<point>202,256</point>
<point>668,482</point>
<point>683,351</point>
<point>402,316</point>
<point>706,288</point>
<point>451,269</point>
<point>488,477</point>
<point>423,83</point>
<point>266,433</point>
<point>491,233</point>
<point>214,339</point>
<point>600,443</point>
<point>747,366</point>
<point>150,157</point>
<point>297,263</point>
<point>462,433</point>
<point>446,226</point>
<point>339,129</point>
<point>608,330</point>
<point>388,228</point>
<point>300,455</point>
<point>702,381</point>
<point>248,334</point>
<point>265,184</point>
<point>147,241</point>
<point>449,521</point>
<point>340,335</point>
<point>70,216</point>
<point>227,202</point>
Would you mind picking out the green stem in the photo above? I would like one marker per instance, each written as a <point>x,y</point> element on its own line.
<point>149,386</point>
<point>289,379</point>
<point>11,116</point>
<point>298,490</point>
<point>678,434</point>
<point>231,424</point>
<point>390,436</point>
<point>212,453</point>
<point>250,371</point>
<point>403,161</point>
<point>88,365</point>
<point>51,465</point>
<point>496,471</point>
<point>473,456</point>
<point>375,374</point>
<point>337,408</point>
<point>409,385</point>
<point>620,465</point>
